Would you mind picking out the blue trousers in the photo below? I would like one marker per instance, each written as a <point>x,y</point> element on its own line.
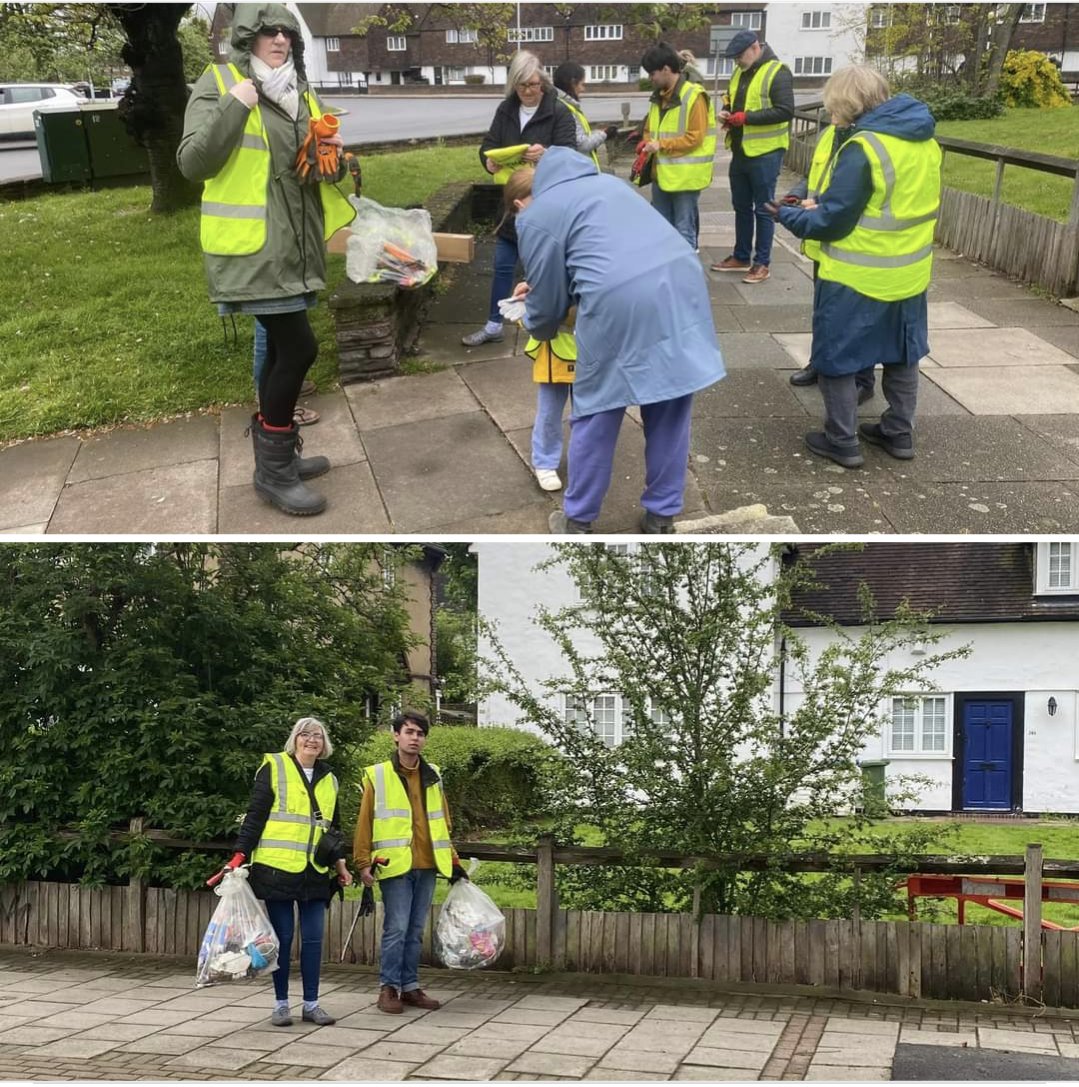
<point>312,923</point>
<point>592,439</point>
<point>406,901</point>
<point>502,284</point>
<point>681,210</point>
<point>753,184</point>
<point>551,400</point>
<point>261,344</point>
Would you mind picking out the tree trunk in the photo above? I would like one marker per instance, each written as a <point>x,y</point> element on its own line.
<point>977,53</point>
<point>1000,42</point>
<point>153,106</point>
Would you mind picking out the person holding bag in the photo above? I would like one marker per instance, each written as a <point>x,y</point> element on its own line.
<point>292,837</point>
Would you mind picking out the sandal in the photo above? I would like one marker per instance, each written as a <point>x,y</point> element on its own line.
<point>305,416</point>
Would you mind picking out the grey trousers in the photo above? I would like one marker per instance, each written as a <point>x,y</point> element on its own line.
<point>840,394</point>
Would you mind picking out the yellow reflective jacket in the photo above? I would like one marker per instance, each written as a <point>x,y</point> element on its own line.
<point>759,139</point>
<point>391,831</point>
<point>689,172</point>
<point>553,361</point>
<point>291,832</point>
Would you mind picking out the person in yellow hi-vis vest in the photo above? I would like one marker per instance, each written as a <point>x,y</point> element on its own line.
<point>756,121</point>
<point>293,800</point>
<point>403,841</point>
<point>872,231</point>
<point>264,226</point>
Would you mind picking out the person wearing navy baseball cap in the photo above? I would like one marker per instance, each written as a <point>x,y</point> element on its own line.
<point>756,118</point>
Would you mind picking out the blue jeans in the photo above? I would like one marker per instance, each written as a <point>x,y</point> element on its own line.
<point>312,923</point>
<point>259,362</point>
<point>502,285</point>
<point>681,210</point>
<point>753,184</point>
<point>551,400</point>
<point>406,901</point>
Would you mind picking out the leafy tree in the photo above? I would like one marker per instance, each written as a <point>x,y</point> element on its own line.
<point>147,681</point>
<point>194,35</point>
<point>691,636</point>
<point>455,624</point>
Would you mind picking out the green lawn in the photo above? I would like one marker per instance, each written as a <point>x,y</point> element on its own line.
<point>107,319</point>
<point>1051,131</point>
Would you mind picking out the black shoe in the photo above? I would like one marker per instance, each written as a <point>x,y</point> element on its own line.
<point>656,524</point>
<point>277,471</point>
<point>805,376</point>
<point>900,448</point>
<point>817,442</point>
<point>865,394</point>
<point>561,525</point>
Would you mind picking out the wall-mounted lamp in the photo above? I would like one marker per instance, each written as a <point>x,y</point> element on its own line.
<point>1052,707</point>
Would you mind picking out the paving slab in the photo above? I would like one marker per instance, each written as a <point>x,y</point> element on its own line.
<point>638,1060</point>
<point>34,1036</point>
<point>441,344</point>
<point>1063,336</point>
<point>769,318</point>
<point>505,390</point>
<point>752,350</point>
<point>172,1044</point>
<point>535,1017</point>
<point>312,1052</point>
<point>713,1074</point>
<point>960,1038</point>
<point>447,1066</point>
<point>1012,390</point>
<point>729,1058</point>
<point>80,1047</point>
<point>787,284</point>
<point>993,347</point>
<point>398,401</point>
<point>845,1073</point>
<point>1028,312</point>
<point>363,1069</point>
<point>747,394</point>
<point>472,1046</point>
<point>32,477</point>
<point>617,1016</point>
<point>969,288</point>
<point>212,1061</point>
<point>1013,1040</point>
<point>132,449</point>
<point>551,1064</point>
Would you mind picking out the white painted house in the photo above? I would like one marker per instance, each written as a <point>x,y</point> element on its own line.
<point>1000,731</point>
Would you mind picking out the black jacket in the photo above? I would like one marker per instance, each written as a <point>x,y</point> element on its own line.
<point>551,125</point>
<point>272,883</point>
<point>782,99</point>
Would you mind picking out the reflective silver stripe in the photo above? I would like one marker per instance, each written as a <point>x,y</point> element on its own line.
<point>232,211</point>
<point>380,786</point>
<point>254,143</point>
<point>884,222</point>
<point>390,842</point>
<point>288,817</point>
<point>274,843</point>
<point>278,760</point>
<point>435,814</point>
<point>887,168</point>
<point>441,844</point>
<point>868,260</point>
<point>392,813</point>
<point>686,160</point>
<point>765,132</point>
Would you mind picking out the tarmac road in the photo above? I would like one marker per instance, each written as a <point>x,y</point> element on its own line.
<point>934,1063</point>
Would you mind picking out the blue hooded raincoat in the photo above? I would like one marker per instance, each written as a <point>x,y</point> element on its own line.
<point>852,332</point>
<point>644,321</point>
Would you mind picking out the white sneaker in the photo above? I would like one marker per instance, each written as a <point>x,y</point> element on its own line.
<point>548,479</point>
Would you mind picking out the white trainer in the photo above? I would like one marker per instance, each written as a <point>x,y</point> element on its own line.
<point>548,479</point>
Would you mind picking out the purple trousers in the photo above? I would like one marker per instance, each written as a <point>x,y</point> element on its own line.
<point>592,439</point>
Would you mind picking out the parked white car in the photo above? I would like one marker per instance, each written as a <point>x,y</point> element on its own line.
<point>18,101</point>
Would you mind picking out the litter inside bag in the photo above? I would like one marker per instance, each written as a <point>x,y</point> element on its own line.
<point>240,942</point>
<point>390,245</point>
<point>471,931</point>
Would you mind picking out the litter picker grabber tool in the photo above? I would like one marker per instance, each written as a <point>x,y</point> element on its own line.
<point>365,908</point>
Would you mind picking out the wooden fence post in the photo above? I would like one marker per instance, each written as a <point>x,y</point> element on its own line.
<point>1032,924</point>
<point>695,935</point>
<point>1073,216</point>
<point>546,901</point>
<point>134,934</point>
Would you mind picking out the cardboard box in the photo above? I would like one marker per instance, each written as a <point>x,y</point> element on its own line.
<point>452,248</point>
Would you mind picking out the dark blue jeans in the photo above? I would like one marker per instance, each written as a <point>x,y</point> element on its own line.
<point>406,901</point>
<point>753,184</point>
<point>681,210</point>
<point>502,285</point>
<point>312,923</point>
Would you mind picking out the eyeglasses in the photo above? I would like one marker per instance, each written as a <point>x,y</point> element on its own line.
<point>273,31</point>
<point>309,736</point>
<point>533,86</point>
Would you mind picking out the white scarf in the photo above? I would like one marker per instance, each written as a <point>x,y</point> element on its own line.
<point>278,84</point>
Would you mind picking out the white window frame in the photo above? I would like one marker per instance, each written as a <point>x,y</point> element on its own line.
<point>809,66</point>
<point>881,18</point>
<point>1033,13</point>
<point>396,43</point>
<point>816,20</point>
<point>1056,568</point>
<point>723,67</point>
<point>455,73</point>
<point>610,711</point>
<point>333,45</point>
<point>605,73</point>
<point>223,47</point>
<point>919,723</point>
<point>462,36</point>
<point>530,34</point>
<point>750,20</point>
<point>603,32</point>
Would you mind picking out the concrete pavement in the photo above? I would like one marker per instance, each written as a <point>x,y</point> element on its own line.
<point>446,450</point>
<point>110,1016</point>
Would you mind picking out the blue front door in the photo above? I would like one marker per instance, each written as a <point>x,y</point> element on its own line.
<point>987,755</point>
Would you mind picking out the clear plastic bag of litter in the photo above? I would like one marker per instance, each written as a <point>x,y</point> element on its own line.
<point>390,245</point>
<point>471,931</point>
<point>240,942</point>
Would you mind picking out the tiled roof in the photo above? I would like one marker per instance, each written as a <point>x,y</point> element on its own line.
<point>960,582</point>
<point>336,20</point>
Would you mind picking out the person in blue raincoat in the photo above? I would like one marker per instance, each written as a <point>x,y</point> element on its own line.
<point>874,219</point>
<point>644,328</point>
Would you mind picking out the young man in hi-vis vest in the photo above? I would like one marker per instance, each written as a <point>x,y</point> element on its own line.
<point>404,824</point>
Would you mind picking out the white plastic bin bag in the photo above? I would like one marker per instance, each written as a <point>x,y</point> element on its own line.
<point>240,941</point>
<point>390,245</point>
<point>471,931</point>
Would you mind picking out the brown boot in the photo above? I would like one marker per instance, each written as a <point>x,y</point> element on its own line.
<point>389,1001</point>
<point>417,998</point>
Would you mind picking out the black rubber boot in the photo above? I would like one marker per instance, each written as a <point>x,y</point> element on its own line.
<point>308,467</point>
<point>277,477</point>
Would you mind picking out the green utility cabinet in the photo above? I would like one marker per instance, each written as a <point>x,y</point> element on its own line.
<point>874,793</point>
<point>61,145</point>
<point>86,143</point>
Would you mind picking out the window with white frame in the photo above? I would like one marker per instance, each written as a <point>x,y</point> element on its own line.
<point>464,36</point>
<point>333,45</point>
<point>612,717</point>
<point>1033,13</point>
<point>812,65</point>
<point>879,18</point>
<point>1057,567</point>
<point>605,73</point>
<point>396,43</point>
<point>223,48</point>
<point>455,75</point>
<point>530,34</point>
<point>549,69</point>
<point>344,79</point>
<point>919,725</point>
<point>751,20</point>
<point>816,20</point>
<point>952,13</point>
<point>603,32</point>
<point>724,67</point>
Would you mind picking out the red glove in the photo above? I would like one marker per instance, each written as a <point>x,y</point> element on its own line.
<point>231,865</point>
<point>792,200</point>
<point>236,860</point>
<point>640,147</point>
<point>737,119</point>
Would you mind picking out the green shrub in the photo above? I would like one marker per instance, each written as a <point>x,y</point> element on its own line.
<point>949,103</point>
<point>645,84</point>
<point>493,776</point>
<point>1031,79</point>
<point>475,79</point>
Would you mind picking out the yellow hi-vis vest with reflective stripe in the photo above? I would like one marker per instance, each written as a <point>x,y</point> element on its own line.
<point>391,831</point>
<point>291,833</point>
<point>759,139</point>
<point>554,362</point>
<point>823,159</point>
<point>683,173</point>
<point>889,253</point>
<point>234,200</point>
<point>579,114</point>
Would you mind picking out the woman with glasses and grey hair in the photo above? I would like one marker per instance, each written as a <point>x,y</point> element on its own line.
<point>530,114</point>
<point>294,798</point>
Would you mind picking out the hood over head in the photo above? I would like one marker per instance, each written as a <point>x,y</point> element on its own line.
<point>248,19</point>
<point>560,164</point>
<point>902,116</point>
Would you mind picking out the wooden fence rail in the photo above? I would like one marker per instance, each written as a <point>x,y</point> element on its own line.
<point>1031,248</point>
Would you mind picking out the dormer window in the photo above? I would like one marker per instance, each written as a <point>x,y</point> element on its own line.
<point>1057,568</point>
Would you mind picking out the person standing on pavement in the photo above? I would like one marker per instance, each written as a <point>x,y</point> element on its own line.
<point>874,220</point>
<point>404,821</point>
<point>294,797</point>
<point>569,83</point>
<point>680,131</point>
<point>530,114</point>
<point>263,230</point>
<point>756,122</point>
<point>643,328</point>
